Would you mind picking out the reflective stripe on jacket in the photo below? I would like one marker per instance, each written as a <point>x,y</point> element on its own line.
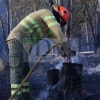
<point>35,27</point>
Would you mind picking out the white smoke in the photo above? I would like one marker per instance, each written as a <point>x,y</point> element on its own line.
<point>75,59</point>
<point>43,95</point>
<point>93,70</point>
<point>59,66</point>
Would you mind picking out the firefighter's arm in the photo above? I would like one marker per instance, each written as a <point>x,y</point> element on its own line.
<point>53,26</point>
<point>57,35</point>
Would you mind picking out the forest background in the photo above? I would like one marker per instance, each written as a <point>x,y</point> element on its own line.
<point>82,31</point>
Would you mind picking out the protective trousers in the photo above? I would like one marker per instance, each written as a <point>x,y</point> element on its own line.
<point>19,67</point>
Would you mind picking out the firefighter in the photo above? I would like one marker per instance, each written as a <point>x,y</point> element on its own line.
<point>30,30</point>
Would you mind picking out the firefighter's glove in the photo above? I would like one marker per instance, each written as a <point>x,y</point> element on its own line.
<point>65,51</point>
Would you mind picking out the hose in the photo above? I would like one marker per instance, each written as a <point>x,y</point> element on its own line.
<point>32,70</point>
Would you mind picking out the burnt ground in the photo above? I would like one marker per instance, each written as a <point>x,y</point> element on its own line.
<point>38,79</point>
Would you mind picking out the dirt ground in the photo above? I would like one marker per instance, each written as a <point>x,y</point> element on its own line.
<point>38,81</point>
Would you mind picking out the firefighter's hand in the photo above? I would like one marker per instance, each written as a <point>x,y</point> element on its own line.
<point>65,51</point>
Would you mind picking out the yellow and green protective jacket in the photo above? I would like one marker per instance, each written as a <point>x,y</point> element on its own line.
<point>35,27</point>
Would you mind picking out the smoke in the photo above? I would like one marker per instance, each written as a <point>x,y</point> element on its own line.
<point>93,70</point>
<point>75,59</point>
<point>43,95</point>
<point>59,66</point>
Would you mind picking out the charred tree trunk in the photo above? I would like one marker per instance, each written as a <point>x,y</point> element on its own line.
<point>62,2</point>
<point>69,85</point>
<point>59,2</point>
<point>10,14</point>
<point>9,17</point>
<point>5,49</point>
<point>50,3</point>
<point>68,28</point>
<point>52,76</point>
<point>97,36</point>
<point>2,24</point>
<point>35,7</point>
<point>72,74</point>
<point>90,20</point>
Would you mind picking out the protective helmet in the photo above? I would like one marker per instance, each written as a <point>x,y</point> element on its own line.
<point>63,12</point>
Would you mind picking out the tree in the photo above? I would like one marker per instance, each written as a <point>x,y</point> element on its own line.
<point>8,9</point>
<point>4,50</point>
<point>68,3</point>
<point>50,3</point>
<point>2,25</point>
<point>98,19</point>
<point>97,38</point>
